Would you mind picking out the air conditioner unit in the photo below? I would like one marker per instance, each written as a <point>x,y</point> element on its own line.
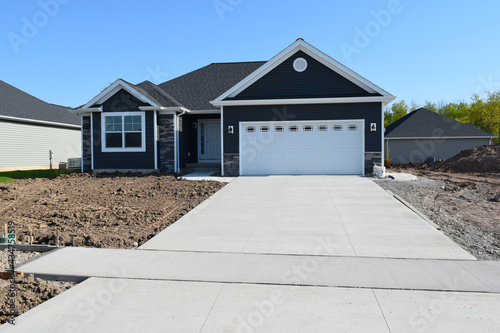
<point>74,163</point>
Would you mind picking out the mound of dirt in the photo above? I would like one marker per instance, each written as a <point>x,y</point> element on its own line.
<point>107,211</point>
<point>485,159</point>
<point>31,292</point>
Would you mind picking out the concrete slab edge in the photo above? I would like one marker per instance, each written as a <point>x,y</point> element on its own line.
<point>30,248</point>
<point>415,210</point>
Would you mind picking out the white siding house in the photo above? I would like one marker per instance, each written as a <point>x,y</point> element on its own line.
<point>31,128</point>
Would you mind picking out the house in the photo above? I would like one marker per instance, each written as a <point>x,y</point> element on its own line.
<point>30,128</point>
<point>301,112</point>
<point>423,135</point>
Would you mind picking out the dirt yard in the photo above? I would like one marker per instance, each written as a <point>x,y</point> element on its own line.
<point>31,291</point>
<point>105,211</point>
<point>461,195</point>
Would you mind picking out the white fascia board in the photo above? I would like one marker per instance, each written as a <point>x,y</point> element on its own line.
<point>440,137</point>
<point>113,89</point>
<point>206,111</point>
<point>39,122</point>
<point>301,45</point>
<point>84,111</point>
<point>370,99</point>
<point>164,109</point>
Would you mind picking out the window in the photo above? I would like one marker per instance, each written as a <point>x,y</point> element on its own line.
<point>278,128</point>
<point>264,128</point>
<point>123,131</point>
<point>353,127</point>
<point>293,128</point>
<point>322,128</point>
<point>250,129</point>
<point>337,127</point>
<point>308,128</point>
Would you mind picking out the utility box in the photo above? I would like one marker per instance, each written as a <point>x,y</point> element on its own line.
<point>74,163</point>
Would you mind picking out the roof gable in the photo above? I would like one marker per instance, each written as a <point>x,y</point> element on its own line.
<point>17,104</point>
<point>423,123</point>
<point>117,86</point>
<point>316,81</point>
<point>312,52</point>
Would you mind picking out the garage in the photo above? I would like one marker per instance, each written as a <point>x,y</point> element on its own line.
<point>302,148</point>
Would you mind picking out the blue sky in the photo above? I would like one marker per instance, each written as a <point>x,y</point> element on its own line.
<point>66,51</point>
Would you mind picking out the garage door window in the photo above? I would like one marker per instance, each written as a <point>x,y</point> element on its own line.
<point>353,127</point>
<point>278,128</point>
<point>293,128</point>
<point>337,128</point>
<point>250,129</point>
<point>264,128</point>
<point>123,132</point>
<point>308,128</point>
<point>322,128</point>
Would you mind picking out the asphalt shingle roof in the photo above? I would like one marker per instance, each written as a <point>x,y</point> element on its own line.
<point>19,104</point>
<point>156,94</point>
<point>423,123</point>
<point>195,90</point>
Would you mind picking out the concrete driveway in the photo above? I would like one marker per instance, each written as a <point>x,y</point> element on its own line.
<point>277,254</point>
<point>299,214</point>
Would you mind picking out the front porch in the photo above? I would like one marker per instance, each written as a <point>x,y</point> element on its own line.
<point>200,142</point>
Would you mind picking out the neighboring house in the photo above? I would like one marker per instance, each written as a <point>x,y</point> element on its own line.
<point>423,135</point>
<point>301,112</point>
<point>30,128</point>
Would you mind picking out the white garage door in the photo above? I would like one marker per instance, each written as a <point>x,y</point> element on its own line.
<point>302,148</point>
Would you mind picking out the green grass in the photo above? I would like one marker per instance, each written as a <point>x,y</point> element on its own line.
<point>12,176</point>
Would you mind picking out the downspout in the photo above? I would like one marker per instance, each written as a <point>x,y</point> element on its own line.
<point>177,146</point>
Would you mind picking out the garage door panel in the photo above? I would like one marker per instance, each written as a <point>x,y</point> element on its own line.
<point>328,147</point>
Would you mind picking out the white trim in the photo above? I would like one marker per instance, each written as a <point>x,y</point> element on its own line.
<point>113,89</point>
<point>81,138</point>
<point>174,119</point>
<point>123,150</point>
<point>382,129</point>
<point>362,129</point>
<point>441,138</point>
<point>155,121</point>
<point>92,141</point>
<point>40,122</point>
<point>82,111</point>
<point>222,140</point>
<point>301,45</point>
<point>205,111</point>
<point>164,108</point>
<point>336,100</point>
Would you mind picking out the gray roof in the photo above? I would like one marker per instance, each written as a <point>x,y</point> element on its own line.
<point>18,104</point>
<point>157,95</point>
<point>195,90</point>
<point>423,123</point>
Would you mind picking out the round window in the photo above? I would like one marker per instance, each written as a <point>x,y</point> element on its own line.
<point>300,64</point>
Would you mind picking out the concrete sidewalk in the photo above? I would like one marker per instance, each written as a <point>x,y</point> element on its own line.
<point>381,273</point>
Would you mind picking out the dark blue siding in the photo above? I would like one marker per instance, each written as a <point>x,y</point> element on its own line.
<point>370,112</point>
<point>143,160</point>
<point>122,101</point>
<point>317,81</point>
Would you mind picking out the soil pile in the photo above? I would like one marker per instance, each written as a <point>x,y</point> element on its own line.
<point>485,159</point>
<point>31,292</point>
<point>107,210</point>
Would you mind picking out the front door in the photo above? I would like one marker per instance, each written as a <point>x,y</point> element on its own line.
<point>209,144</point>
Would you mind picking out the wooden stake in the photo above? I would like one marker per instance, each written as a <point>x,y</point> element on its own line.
<point>57,240</point>
<point>5,232</point>
<point>31,237</point>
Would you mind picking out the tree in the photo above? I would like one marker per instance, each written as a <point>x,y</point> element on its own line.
<point>398,111</point>
<point>485,113</point>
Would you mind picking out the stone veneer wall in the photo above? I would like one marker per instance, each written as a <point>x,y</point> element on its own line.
<point>231,165</point>
<point>370,159</point>
<point>87,145</point>
<point>166,144</point>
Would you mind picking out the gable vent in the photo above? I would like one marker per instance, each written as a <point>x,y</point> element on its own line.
<point>300,64</point>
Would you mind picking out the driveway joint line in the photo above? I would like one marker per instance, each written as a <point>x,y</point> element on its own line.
<point>340,218</point>
<point>381,311</point>
<point>211,308</point>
